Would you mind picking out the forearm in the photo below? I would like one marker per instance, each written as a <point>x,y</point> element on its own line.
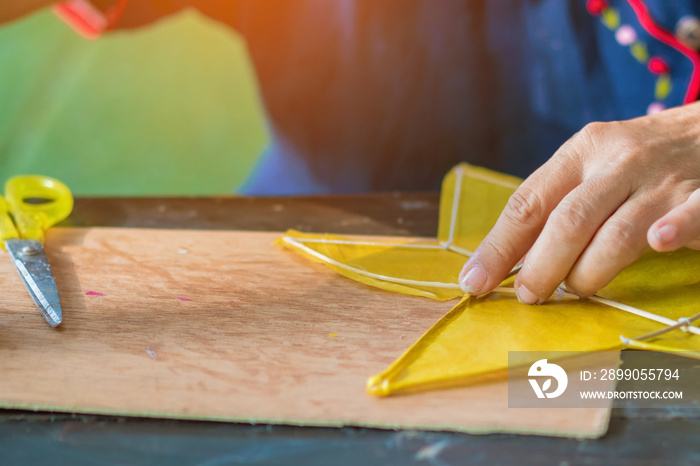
<point>14,9</point>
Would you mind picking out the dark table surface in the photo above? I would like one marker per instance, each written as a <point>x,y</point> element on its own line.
<point>669,435</point>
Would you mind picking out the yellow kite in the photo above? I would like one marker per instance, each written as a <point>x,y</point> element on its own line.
<point>650,305</point>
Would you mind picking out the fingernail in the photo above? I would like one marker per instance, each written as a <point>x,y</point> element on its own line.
<point>666,233</point>
<point>526,296</point>
<point>474,280</point>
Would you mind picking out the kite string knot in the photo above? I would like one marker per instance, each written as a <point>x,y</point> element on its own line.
<point>686,323</point>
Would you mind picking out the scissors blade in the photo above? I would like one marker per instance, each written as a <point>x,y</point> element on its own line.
<point>30,260</point>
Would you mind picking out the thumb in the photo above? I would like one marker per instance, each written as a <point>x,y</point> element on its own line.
<point>679,227</point>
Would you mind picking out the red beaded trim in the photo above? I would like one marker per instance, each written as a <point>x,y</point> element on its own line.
<point>657,66</point>
<point>669,39</point>
<point>596,7</point>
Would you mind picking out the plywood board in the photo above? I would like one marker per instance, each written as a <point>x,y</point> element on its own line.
<point>226,326</point>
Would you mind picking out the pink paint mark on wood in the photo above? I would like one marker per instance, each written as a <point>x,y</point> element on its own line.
<point>184,299</point>
<point>94,293</point>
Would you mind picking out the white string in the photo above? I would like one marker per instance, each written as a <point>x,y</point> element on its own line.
<point>683,323</point>
<point>458,250</point>
<point>401,281</point>
<point>558,295</point>
<point>296,242</point>
<point>455,205</point>
<point>641,313</point>
<point>449,247</point>
<point>369,243</point>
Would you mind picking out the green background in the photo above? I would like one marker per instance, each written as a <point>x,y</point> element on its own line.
<point>170,109</point>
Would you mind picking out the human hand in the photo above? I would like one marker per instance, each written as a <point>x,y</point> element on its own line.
<point>604,197</point>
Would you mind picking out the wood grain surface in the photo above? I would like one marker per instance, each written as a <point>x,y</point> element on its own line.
<point>396,213</point>
<point>225,326</point>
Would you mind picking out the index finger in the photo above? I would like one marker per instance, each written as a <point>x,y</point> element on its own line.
<point>520,223</point>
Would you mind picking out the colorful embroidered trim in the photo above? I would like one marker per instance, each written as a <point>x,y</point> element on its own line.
<point>626,35</point>
<point>669,39</point>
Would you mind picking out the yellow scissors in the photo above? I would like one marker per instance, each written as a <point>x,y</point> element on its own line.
<point>32,204</point>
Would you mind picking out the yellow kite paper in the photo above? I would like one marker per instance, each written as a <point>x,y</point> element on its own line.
<point>650,305</point>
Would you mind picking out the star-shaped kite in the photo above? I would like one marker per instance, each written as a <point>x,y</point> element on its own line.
<point>650,305</point>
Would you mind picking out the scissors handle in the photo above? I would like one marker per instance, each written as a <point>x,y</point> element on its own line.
<point>7,227</point>
<point>32,219</point>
